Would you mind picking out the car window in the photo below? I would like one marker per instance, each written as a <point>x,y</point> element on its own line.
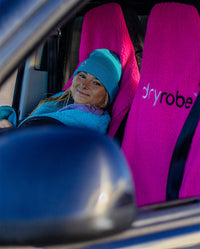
<point>7,90</point>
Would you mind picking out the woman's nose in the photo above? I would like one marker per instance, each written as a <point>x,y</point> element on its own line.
<point>85,84</point>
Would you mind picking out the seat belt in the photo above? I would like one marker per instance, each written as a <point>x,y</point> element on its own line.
<point>180,154</point>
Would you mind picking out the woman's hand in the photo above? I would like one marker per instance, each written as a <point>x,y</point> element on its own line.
<point>5,123</point>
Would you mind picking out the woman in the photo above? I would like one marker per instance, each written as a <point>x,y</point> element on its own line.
<point>84,104</point>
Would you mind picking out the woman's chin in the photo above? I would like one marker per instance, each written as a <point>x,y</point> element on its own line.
<point>81,101</point>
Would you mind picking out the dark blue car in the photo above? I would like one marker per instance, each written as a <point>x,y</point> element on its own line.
<point>65,187</point>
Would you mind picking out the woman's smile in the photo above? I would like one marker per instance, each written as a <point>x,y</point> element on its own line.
<point>82,93</point>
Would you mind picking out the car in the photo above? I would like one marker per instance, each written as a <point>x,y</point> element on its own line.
<point>64,187</point>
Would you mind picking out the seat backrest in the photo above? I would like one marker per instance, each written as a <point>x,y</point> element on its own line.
<point>105,27</point>
<point>167,89</point>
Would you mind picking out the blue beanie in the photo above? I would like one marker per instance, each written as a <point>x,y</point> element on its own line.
<point>106,67</point>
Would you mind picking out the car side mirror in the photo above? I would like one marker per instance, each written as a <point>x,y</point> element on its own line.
<point>61,184</point>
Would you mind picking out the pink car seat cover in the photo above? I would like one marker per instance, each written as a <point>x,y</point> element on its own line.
<point>167,89</point>
<point>105,27</point>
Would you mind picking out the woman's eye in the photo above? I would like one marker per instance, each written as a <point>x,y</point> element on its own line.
<point>97,83</point>
<point>82,76</point>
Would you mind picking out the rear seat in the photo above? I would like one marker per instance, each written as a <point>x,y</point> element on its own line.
<point>167,89</point>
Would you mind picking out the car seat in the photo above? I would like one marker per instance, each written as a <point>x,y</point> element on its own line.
<point>105,27</point>
<point>167,89</point>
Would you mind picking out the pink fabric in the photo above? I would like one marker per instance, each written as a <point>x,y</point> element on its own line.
<point>105,27</point>
<point>167,90</point>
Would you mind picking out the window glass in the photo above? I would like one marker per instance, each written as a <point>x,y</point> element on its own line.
<point>7,90</point>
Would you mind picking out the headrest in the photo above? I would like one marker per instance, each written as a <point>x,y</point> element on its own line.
<point>167,89</point>
<point>105,27</point>
<point>171,48</point>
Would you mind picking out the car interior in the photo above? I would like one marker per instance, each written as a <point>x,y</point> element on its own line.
<point>49,69</point>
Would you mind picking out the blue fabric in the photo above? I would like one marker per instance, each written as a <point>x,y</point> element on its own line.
<point>79,118</point>
<point>72,117</point>
<point>86,108</point>
<point>7,112</point>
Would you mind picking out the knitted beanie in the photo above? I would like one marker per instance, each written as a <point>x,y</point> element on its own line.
<point>106,67</point>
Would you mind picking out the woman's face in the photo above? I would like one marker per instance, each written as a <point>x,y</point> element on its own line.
<point>86,89</point>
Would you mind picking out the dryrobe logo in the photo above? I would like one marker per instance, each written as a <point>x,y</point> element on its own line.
<point>165,97</point>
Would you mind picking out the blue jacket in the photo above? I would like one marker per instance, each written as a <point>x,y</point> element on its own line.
<point>76,117</point>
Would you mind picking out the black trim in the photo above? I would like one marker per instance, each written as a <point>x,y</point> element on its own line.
<point>18,88</point>
<point>181,151</point>
<point>120,132</point>
<point>40,121</point>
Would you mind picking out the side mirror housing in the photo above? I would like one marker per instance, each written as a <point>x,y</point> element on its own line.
<point>62,184</point>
